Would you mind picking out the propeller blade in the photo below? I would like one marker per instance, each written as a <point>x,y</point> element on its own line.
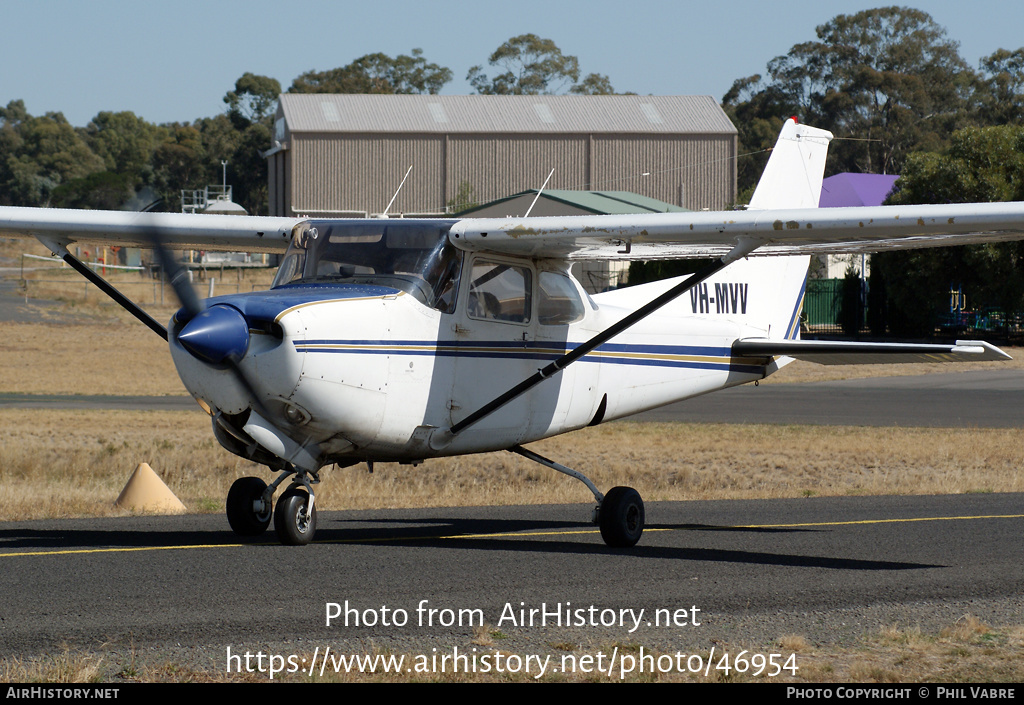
<point>219,336</point>
<point>176,275</point>
<point>199,338</point>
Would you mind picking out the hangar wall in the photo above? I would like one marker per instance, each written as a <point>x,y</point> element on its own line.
<point>337,155</point>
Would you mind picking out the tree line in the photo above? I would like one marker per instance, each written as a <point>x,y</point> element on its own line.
<point>120,159</point>
<point>893,88</point>
<point>889,83</point>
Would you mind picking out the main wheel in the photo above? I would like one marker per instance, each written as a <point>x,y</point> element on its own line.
<point>294,526</point>
<point>248,514</point>
<point>621,517</point>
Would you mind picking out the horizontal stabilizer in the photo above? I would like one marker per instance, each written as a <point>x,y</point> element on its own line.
<point>825,352</point>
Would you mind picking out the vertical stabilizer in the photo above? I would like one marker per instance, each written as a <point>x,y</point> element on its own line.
<point>792,178</point>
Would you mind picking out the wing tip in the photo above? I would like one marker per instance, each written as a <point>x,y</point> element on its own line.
<point>980,347</point>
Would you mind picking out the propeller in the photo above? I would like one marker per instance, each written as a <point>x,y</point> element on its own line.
<point>218,335</point>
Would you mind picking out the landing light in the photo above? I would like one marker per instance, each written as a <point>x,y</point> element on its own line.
<point>295,415</point>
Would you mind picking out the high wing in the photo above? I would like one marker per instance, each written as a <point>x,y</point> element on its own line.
<point>176,230</point>
<point>597,237</point>
<point>776,232</point>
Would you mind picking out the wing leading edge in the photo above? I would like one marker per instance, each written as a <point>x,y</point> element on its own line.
<point>779,232</point>
<point>177,230</point>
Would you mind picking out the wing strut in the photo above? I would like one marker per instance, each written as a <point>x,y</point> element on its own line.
<point>108,289</point>
<point>742,249</point>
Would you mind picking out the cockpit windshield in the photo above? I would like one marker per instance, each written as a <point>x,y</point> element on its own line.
<point>412,256</point>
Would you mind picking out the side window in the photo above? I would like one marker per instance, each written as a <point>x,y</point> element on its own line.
<point>559,302</point>
<point>499,292</point>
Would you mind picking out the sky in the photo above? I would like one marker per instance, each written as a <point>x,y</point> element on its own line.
<point>174,61</point>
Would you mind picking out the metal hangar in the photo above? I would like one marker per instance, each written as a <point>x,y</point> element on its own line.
<point>345,155</point>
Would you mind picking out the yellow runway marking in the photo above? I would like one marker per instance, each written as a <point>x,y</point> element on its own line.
<point>877,521</point>
<point>439,537</point>
<point>72,551</point>
<point>652,530</point>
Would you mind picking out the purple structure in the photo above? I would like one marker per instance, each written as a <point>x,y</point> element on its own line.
<point>855,190</point>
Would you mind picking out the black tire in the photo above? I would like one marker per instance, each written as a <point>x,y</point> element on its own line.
<point>621,517</point>
<point>290,521</point>
<point>243,518</point>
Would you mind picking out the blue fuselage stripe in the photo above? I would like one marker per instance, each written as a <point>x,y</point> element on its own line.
<point>793,330</point>
<point>695,357</point>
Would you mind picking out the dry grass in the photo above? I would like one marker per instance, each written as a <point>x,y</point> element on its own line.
<point>965,652</point>
<point>67,666</point>
<point>56,281</point>
<point>112,357</point>
<point>53,451</point>
<point>89,344</point>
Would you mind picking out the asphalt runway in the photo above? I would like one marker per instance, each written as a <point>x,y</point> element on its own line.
<point>96,402</point>
<point>830,569</point>
<point>980,399</point>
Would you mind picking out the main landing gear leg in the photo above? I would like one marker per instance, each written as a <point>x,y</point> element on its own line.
<point>250,501</point>
<point>619,514</point>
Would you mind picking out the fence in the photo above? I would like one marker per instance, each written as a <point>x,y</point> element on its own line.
<point>822,299</point>
<point>60,281</point>
<point>823,315</point>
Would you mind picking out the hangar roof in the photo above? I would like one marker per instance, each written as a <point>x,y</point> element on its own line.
<point>320,112</point>
<point>597,202</point>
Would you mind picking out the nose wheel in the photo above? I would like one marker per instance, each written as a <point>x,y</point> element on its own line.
<point>295,517</point>
<point>251,503</point>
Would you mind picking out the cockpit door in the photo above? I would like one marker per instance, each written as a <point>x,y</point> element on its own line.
<point>492,344</point>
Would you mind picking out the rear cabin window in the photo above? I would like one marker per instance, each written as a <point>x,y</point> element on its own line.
<point>559,302</point>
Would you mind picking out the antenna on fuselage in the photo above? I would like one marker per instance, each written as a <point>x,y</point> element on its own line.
<point>538,194</point>
<point>385,213</point>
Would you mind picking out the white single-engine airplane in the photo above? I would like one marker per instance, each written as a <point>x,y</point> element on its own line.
<point>401,340</point>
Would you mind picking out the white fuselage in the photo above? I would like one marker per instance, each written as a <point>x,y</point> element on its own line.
<point>375,377</point>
